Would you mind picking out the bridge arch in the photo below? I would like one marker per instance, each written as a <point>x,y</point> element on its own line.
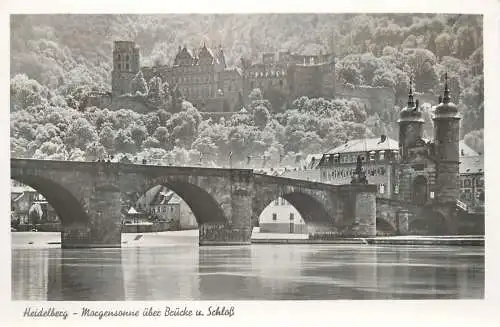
<point>311,209</point>
<point>430,222</point>
<point>66,205</point>
<point>205,208</point>
<point>384,226</point>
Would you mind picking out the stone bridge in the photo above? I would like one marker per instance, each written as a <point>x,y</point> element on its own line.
<point>396,217</point>
<point>89,196</point>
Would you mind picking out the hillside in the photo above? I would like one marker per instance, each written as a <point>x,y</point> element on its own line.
<point>63,56</point>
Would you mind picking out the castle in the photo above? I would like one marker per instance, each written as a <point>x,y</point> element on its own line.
<point>203,78</point>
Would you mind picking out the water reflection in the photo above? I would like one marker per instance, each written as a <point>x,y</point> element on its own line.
<point>260,272</point>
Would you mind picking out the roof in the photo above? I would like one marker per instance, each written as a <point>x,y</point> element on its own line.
<point>467,150</point>
<point>132,211</point>
<point>471,164</point>
<point>362,145</point>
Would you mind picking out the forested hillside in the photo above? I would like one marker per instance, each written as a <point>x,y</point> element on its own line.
<point>56,59</point>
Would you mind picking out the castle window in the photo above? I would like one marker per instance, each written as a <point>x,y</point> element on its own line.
<point>275,216</point>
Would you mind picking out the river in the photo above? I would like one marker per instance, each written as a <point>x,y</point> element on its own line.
<point>171,266</point>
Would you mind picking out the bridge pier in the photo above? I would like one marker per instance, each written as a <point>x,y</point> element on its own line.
<point>103,227</point>
<point>237,230</point>
<point>365,214</point>
<point>223,234</point>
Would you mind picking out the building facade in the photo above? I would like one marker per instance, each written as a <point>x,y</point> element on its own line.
<point>414,169</point>
<point>281,217</point>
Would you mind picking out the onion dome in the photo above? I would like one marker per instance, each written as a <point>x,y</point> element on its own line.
<point>446,108</point>
<point>411,112</point>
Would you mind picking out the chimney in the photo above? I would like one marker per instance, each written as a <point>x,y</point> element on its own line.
<point>383,137</point>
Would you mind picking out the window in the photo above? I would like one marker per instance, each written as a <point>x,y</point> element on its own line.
<point>396,188</point>
<point>291,216</point>
<point>431,194</point>
<point>126,57</point>
<point>467,183</point>
<point>381,153</point>
<point>480,182</point>
<point>171,209</point>
<point>381,188</point>
<point>275,216</point>
<point>127,66</point>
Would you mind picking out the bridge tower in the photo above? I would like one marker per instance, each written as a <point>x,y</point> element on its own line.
<point>410,130</point>
<point>126,65</point>
<point>446,133</point>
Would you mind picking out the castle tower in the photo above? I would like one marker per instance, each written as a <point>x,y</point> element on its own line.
<point>410,125</point>
<point>126,65</point>
<point>446,138</point>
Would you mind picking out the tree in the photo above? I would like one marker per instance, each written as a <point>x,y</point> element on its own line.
<point>138,134</point>
<point>138,84</point>
<point>107,138</point>
<point>80,134</point>
<point>261,116</point>
<point>255,95</point>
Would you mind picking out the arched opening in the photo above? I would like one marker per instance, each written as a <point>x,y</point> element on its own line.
<point>158,209</point>
<point>420,190</point>
<point>295,213</point>
<point>384,227</point>
<point>203,207</point>
<point>429,223</point>
<point>280,216</point>
<point>39,204</point>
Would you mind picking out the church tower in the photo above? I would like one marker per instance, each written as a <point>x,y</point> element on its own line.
<point>410,125</point>
<point>446,138</point>
<point>126,65</point>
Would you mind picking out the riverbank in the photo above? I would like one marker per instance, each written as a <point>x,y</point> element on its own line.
<point>190,237</point>
<point>461,240</point>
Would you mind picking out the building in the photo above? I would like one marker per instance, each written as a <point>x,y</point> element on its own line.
<point>380,160</point>
<point>202,77</point>
<point>472,182</point>
<point>281,217</point>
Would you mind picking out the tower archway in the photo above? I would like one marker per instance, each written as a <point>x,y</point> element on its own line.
<point>420,190</point>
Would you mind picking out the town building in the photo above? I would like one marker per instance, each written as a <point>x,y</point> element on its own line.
<point>281,217</point>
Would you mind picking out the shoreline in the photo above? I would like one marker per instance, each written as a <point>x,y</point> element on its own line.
<point>188,237</point>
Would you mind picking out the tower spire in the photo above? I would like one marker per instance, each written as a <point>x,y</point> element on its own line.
<point>411,103</point>
<point>446,97</point>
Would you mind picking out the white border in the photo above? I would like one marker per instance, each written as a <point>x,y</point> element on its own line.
<point>304,313</point>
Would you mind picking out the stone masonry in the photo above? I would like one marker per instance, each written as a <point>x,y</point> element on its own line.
<point>88,198</point>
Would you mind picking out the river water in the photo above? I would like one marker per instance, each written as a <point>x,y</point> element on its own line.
<point>171,266</point>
